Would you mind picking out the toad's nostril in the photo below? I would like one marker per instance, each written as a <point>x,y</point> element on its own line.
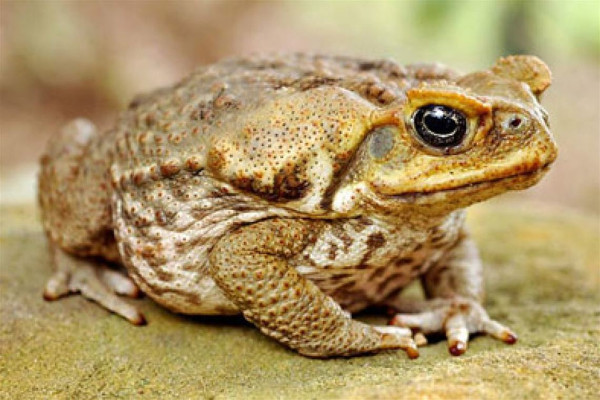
<point>515,122</point>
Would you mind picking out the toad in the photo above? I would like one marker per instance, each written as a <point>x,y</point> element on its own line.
<point>296,190</point>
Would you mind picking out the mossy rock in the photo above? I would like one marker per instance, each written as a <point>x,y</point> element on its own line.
<point>543,280</point>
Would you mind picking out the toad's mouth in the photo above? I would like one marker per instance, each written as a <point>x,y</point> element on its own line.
<point>485,189</point>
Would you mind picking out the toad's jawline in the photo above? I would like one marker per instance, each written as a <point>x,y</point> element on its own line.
<point>529,178</point>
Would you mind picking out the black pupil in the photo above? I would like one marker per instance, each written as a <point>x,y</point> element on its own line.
<point>440,126</point>
<point>438,121</point>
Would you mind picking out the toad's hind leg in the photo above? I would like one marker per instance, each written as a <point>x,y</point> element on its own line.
<point>94,281</point>
<point>75,201</point>
<point>250,266</point>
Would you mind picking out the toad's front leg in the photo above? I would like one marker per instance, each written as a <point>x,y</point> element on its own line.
<point>455,290</point>
<point>250,266</point>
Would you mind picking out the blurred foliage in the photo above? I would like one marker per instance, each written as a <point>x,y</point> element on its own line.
<point>118,47</point>
<point>61,59</point>
<point>459,31</point>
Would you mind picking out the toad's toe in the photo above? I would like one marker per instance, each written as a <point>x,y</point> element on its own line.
<point>396,337</point>
<point>457,319</point>
<point>94,281</point>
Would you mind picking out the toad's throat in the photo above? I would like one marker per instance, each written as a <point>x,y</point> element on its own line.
<point>518,181</point>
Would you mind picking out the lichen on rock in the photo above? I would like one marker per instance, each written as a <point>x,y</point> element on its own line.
<point>542,276</point>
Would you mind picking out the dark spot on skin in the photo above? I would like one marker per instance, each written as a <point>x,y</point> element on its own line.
<point>155,259</point>
<point>241,207</point>
<point>225,101</point>
<point>139,178</point>
<point>377,273</point>
<point>403,261</point>
<point>374,241</point>
<point>287,185</point>
<point>148,251</point>
<point>203,112</point>
<point>332,251</point>
<point>377,92</point>
<point>194,166</point>
<point>150,120</point>
<point>169,169</point>
<point>362,224</point>
<point>341,161</point>
<point>160,217</point>
<point>346,239</point>
<point>244,182</point>
<point>164,275</point>
<point>192,298</point>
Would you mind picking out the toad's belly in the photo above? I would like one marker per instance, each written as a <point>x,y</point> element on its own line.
<point>355,288</point>
<point>361,263</point>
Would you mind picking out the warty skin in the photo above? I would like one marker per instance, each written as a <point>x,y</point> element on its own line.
<point>297,189</point>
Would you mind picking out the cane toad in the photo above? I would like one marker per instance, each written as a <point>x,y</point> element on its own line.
<point>297,190</point>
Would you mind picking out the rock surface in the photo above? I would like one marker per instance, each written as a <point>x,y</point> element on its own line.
<point>543,280</point>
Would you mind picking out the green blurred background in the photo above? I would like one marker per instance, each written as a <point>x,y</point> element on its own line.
<point>60,60</point>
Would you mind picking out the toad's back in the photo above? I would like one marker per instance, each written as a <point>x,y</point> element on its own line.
<point>201,123</point>
<point>242,103</point>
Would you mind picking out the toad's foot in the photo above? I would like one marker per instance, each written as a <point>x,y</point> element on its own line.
<point>457,318</point>
<point>395,337</point>
<point>94,281</point>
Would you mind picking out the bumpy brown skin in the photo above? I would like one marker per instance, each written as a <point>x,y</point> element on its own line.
<point>294,189</point>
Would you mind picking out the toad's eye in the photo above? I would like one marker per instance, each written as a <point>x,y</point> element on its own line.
<point>440,126</point>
